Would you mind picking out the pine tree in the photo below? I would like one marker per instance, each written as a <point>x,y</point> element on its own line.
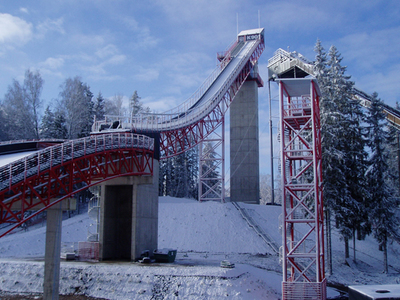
<point>393,149</point>
<point>99,107</point>
<point>135,106</point>
<point>47,124</point>
<point>329,153</point>
<point>88,115</point>
<point>179,175</point>
<point>343,151</point>
<point>3,133</point>
<point>382,211</point>
<point>349,207</point>
<point>60,127</point>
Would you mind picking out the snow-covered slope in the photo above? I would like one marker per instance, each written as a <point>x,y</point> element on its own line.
<point>188,225</point>
<point>204,234</point>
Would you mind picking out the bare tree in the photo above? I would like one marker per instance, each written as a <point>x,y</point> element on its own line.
<point>21,106</point>
<point>77,106</point>
<point>115,105</point>
<point>33,85</point>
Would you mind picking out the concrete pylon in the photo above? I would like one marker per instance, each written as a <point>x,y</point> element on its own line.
<point>129,216</point>
<point>52,253</point>
<point>244,145</point>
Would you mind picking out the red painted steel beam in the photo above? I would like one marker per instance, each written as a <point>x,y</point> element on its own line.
<point>59,172</point>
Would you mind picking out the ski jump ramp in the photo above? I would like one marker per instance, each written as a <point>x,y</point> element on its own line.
<point>185,124</point>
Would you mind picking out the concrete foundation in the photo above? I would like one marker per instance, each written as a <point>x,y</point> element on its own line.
<point>244,148</point>
<point>52,253</point>
<point>129,216</point>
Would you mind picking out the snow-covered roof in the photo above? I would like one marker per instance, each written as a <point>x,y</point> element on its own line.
<point>251,31</point>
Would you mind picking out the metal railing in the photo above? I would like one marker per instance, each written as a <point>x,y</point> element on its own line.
<point>264,236</point>
<point>31,141</point>
<point>57,155</point>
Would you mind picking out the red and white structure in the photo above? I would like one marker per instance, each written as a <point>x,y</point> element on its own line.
<point>203,114</point>
<point>47,177</point>
<point>302,250</point>
<point>41,180</point>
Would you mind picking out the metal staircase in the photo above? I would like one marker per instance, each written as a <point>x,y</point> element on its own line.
<point>253,224</point>
<point>94,214</point>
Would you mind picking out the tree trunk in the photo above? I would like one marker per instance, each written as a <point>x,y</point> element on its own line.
<point>354,244</point>
<point>328,241</point>
<point>385,256</point>
<point>346,247</point>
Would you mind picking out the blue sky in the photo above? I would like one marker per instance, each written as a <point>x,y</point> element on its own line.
<point>165,49</point>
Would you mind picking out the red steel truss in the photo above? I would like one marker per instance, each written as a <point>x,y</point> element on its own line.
<point>302,206</point>
<point>174,142</point>
<point>47,177</point>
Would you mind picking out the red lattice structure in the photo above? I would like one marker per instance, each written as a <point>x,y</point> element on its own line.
<point>47,177</point>
<point>302,206</point>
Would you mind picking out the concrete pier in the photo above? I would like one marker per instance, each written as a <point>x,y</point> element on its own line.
<point>52,253</point>
<point>129,216</point>
<point>244,148</point>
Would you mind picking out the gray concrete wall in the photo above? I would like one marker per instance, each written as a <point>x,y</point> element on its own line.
<point>52,253</point>
<point>244,145</point>
<point>129,216</point>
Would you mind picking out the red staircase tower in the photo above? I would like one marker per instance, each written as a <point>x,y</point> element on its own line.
<point>302,207</point>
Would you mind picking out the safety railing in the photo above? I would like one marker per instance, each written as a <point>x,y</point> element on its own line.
<point>298,106</point>
<point>35,163</point>
<point>32,141</point>
<point>187,113</point>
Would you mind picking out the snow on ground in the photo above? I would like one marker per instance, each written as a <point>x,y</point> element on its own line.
<point>9,158</point>
<point>204,234</point>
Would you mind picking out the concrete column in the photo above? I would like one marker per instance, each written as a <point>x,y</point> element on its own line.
<point>129,216</point>
<point>244,148</point>
<point>52,253</point>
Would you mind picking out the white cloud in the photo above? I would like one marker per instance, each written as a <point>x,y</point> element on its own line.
<point>52,63</point>
<point>384,83</point>
<point>24,10</point>
<point>110,55</point>
<point>292,15</point>
<point>147,74</point>
<point>106,51</point>
<point>87,40</point>
<point>50,26</point>
<point>372,49</point>
<point>116,59</point>
<point>161,105</point>
<point>14,31</point>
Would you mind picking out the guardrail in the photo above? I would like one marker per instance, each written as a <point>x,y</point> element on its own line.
<point>264,236</point>
<point>31,141</point>
<point>33,164</point>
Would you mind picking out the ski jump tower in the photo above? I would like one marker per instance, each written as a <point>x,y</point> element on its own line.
<point>302,251</point>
